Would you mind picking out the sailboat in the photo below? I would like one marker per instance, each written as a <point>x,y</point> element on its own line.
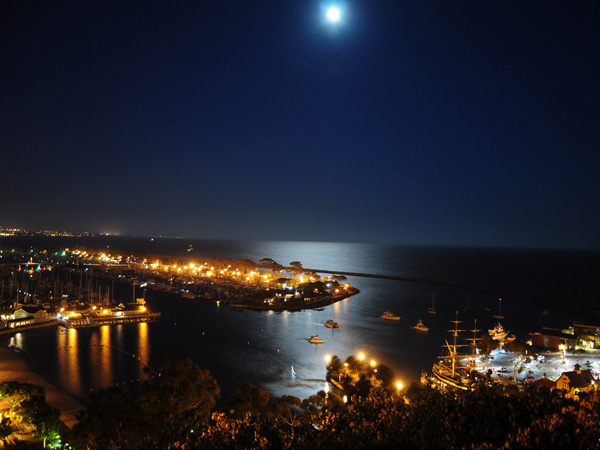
<point>499,315</point>
<point>431,310</point>
<point>449,372</point>
<point>315,339</point>
<point>467,308</point>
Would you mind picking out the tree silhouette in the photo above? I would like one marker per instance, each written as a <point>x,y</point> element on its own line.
<point>179,398</point>
<point>6,429</point>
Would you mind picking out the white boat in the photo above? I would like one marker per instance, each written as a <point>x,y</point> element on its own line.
<point>498,333</point>
<point>332,324</point>
<point>390,316</point>
<point>420,326</point>
<point>315,340</point>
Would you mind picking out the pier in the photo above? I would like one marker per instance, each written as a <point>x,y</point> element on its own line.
<point>98,321</point>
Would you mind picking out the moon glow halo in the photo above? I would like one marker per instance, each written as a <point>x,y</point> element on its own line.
<point>333,14</point>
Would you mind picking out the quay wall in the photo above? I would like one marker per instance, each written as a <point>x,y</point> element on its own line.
<point>33,326</point>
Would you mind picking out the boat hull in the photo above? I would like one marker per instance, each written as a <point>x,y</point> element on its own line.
<point>389,316</point>
<point>315,340</point>
<point>444,375</point>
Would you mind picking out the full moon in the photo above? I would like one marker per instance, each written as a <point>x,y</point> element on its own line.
<point>333,14</point>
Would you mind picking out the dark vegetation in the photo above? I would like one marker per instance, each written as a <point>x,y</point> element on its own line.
<point>178,410</point>
<point>28,411</point>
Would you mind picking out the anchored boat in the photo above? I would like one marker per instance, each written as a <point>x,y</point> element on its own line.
<point>431,309</point>
<point>498,333</point>
<point>332,324</point>
<point>420,326</point>
<point>315,340</point>
<point>390,316</point>
<point>455,371</point>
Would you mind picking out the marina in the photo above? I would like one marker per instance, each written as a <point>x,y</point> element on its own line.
<point>261,346</point>
<point>300,225</point>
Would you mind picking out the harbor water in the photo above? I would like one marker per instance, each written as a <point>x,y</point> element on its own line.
<point>271,350</point>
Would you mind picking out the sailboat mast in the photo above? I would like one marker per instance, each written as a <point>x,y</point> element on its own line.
<point>455,343</point>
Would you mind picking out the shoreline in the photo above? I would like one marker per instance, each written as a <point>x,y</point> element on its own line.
<point>14,367</point>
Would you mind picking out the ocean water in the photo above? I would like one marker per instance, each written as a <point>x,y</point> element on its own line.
<point>240,346</point>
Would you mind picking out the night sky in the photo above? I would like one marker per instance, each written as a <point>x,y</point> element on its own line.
<point>413,122</point>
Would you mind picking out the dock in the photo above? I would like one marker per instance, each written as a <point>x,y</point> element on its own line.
<point>99,320</point>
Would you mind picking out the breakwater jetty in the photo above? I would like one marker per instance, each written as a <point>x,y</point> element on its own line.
<point>492,291</point>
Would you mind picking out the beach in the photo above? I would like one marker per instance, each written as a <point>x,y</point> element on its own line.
<point>13,367</point>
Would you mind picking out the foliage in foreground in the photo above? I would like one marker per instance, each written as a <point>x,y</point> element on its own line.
<point>178,412</point>
<point>28,410</point>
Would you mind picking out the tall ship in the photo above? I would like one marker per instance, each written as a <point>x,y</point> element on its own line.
<point>455,369</point>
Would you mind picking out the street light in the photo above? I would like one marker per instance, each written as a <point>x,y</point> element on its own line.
<point>563,349</point>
